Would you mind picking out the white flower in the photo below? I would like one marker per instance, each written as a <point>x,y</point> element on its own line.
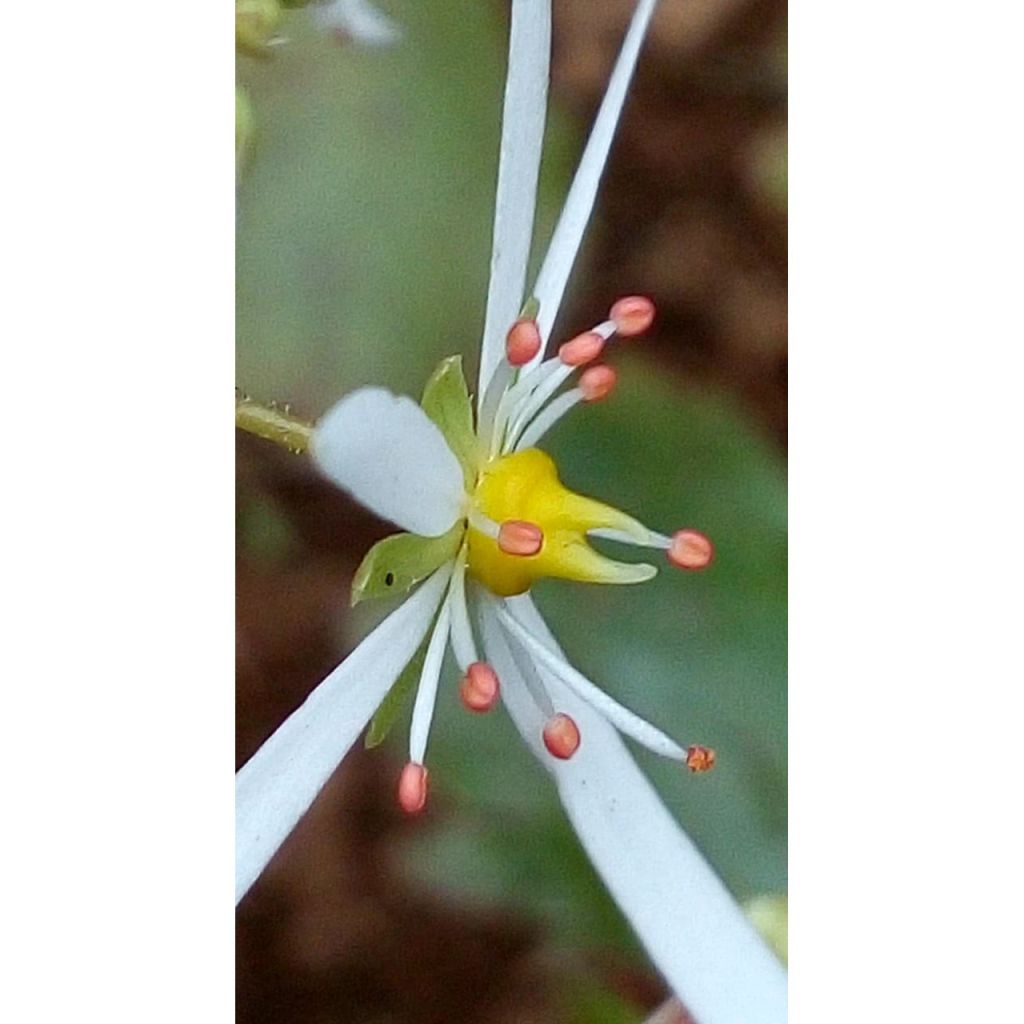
<point>486,516</point>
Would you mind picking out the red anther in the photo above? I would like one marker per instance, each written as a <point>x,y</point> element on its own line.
<point>690,549</point>
<point>479,687</point>
<point>522,342</point>
<point>700,759</point>
<point>520,538</point>
<point>412,788</point>
<point>632,315</point>
<point>561,736</point>
<point>598,382</point>
<point>584,348</point>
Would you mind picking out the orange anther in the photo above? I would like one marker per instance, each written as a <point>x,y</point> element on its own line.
<point>598,382</point>
<point>690,549</point>
<point>700,759</point>
<point>412,788</point>
<point>584,348</point>
<point>632,315</point>
<point>522,342</point>
<point>479,687</point>
<point>517,537</point>
<point>561,736</point>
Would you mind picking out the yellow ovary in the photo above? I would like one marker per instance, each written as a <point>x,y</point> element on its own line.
<point>525,486</point>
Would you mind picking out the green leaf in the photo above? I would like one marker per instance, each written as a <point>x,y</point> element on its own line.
<point>387,714</point>
<point>446,402</point>
<point>396,564</point>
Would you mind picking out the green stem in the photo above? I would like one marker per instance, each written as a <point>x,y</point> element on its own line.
<point>272,424</point>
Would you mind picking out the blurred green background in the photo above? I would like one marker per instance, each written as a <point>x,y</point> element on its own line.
<point>364,214</point>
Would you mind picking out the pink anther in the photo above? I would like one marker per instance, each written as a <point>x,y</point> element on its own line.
<point>690,549</point>
<point>597,382</point>
<point>584,348</point>
<point>700,759</point>
<point>479,687</point>
<point>522,342</point>
<point>412,788</point>
<point>632,315</point>
<point>520,538</point>
<point>561,736</point>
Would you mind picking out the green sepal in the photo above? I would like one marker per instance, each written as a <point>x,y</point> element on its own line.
<point>446,402</point>
<point>396,564</point>
<point>387,714</point>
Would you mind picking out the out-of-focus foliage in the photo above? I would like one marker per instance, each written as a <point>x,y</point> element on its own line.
<point>364,221</point>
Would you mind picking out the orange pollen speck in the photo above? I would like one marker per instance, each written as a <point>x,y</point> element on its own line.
<point>700,759</point>
<point>598,382</point>
<point>561,736</point>
<point>517,537</point>
<point>632,315</point>
<point>584,348</point>
<point>522,342</point>
<point>412,788</point>
<point>479,687</point>
<point>690,549</point>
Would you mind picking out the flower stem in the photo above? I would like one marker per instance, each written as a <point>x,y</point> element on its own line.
<point>272,424</point>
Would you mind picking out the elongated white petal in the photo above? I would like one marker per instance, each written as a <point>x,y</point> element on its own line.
<point>275,787</point>
<point>565,243</point>
<point>691,927</point>
<point>522,134</point>
<point>391,457</point>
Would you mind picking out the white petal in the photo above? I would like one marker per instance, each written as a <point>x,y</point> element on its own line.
<point>565,243</point>
<point>275,787</point>
<point>693,930</point>
<point>358,19</point>
<point>391,457</point>
<point>522,134</point>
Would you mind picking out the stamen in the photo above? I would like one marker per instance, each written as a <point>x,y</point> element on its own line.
<point>584,348</point>
<point>518,395</point>
<point>520,538</point>
<point>426,694</point>
<point>700,759</point>
<point>479,687</point>
<point>622,718</point>
<point>632,315</point>
<point>412,788</point>
<point>522,342</point>
<point>462,643</point>
<point>598,382</point>
<point>561,736</point>
<point>690,549</point>
<point>483,523</point>
<point>548,418</point>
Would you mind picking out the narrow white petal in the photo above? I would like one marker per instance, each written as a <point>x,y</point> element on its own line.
<point>358,19</point>
<point>522,134</point>
<point>691,927</point>
<point>391,457</point>
<point>275,787</point>
<point>565,243</point>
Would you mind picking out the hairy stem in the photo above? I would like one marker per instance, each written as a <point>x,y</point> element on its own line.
<point>272,424</point>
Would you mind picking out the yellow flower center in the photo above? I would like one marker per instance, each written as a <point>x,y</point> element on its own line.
<point>525,486</point>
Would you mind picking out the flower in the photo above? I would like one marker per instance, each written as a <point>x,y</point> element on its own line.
<point>485,515</point>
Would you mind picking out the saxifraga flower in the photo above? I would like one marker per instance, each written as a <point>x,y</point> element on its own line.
<point>485,516</point>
